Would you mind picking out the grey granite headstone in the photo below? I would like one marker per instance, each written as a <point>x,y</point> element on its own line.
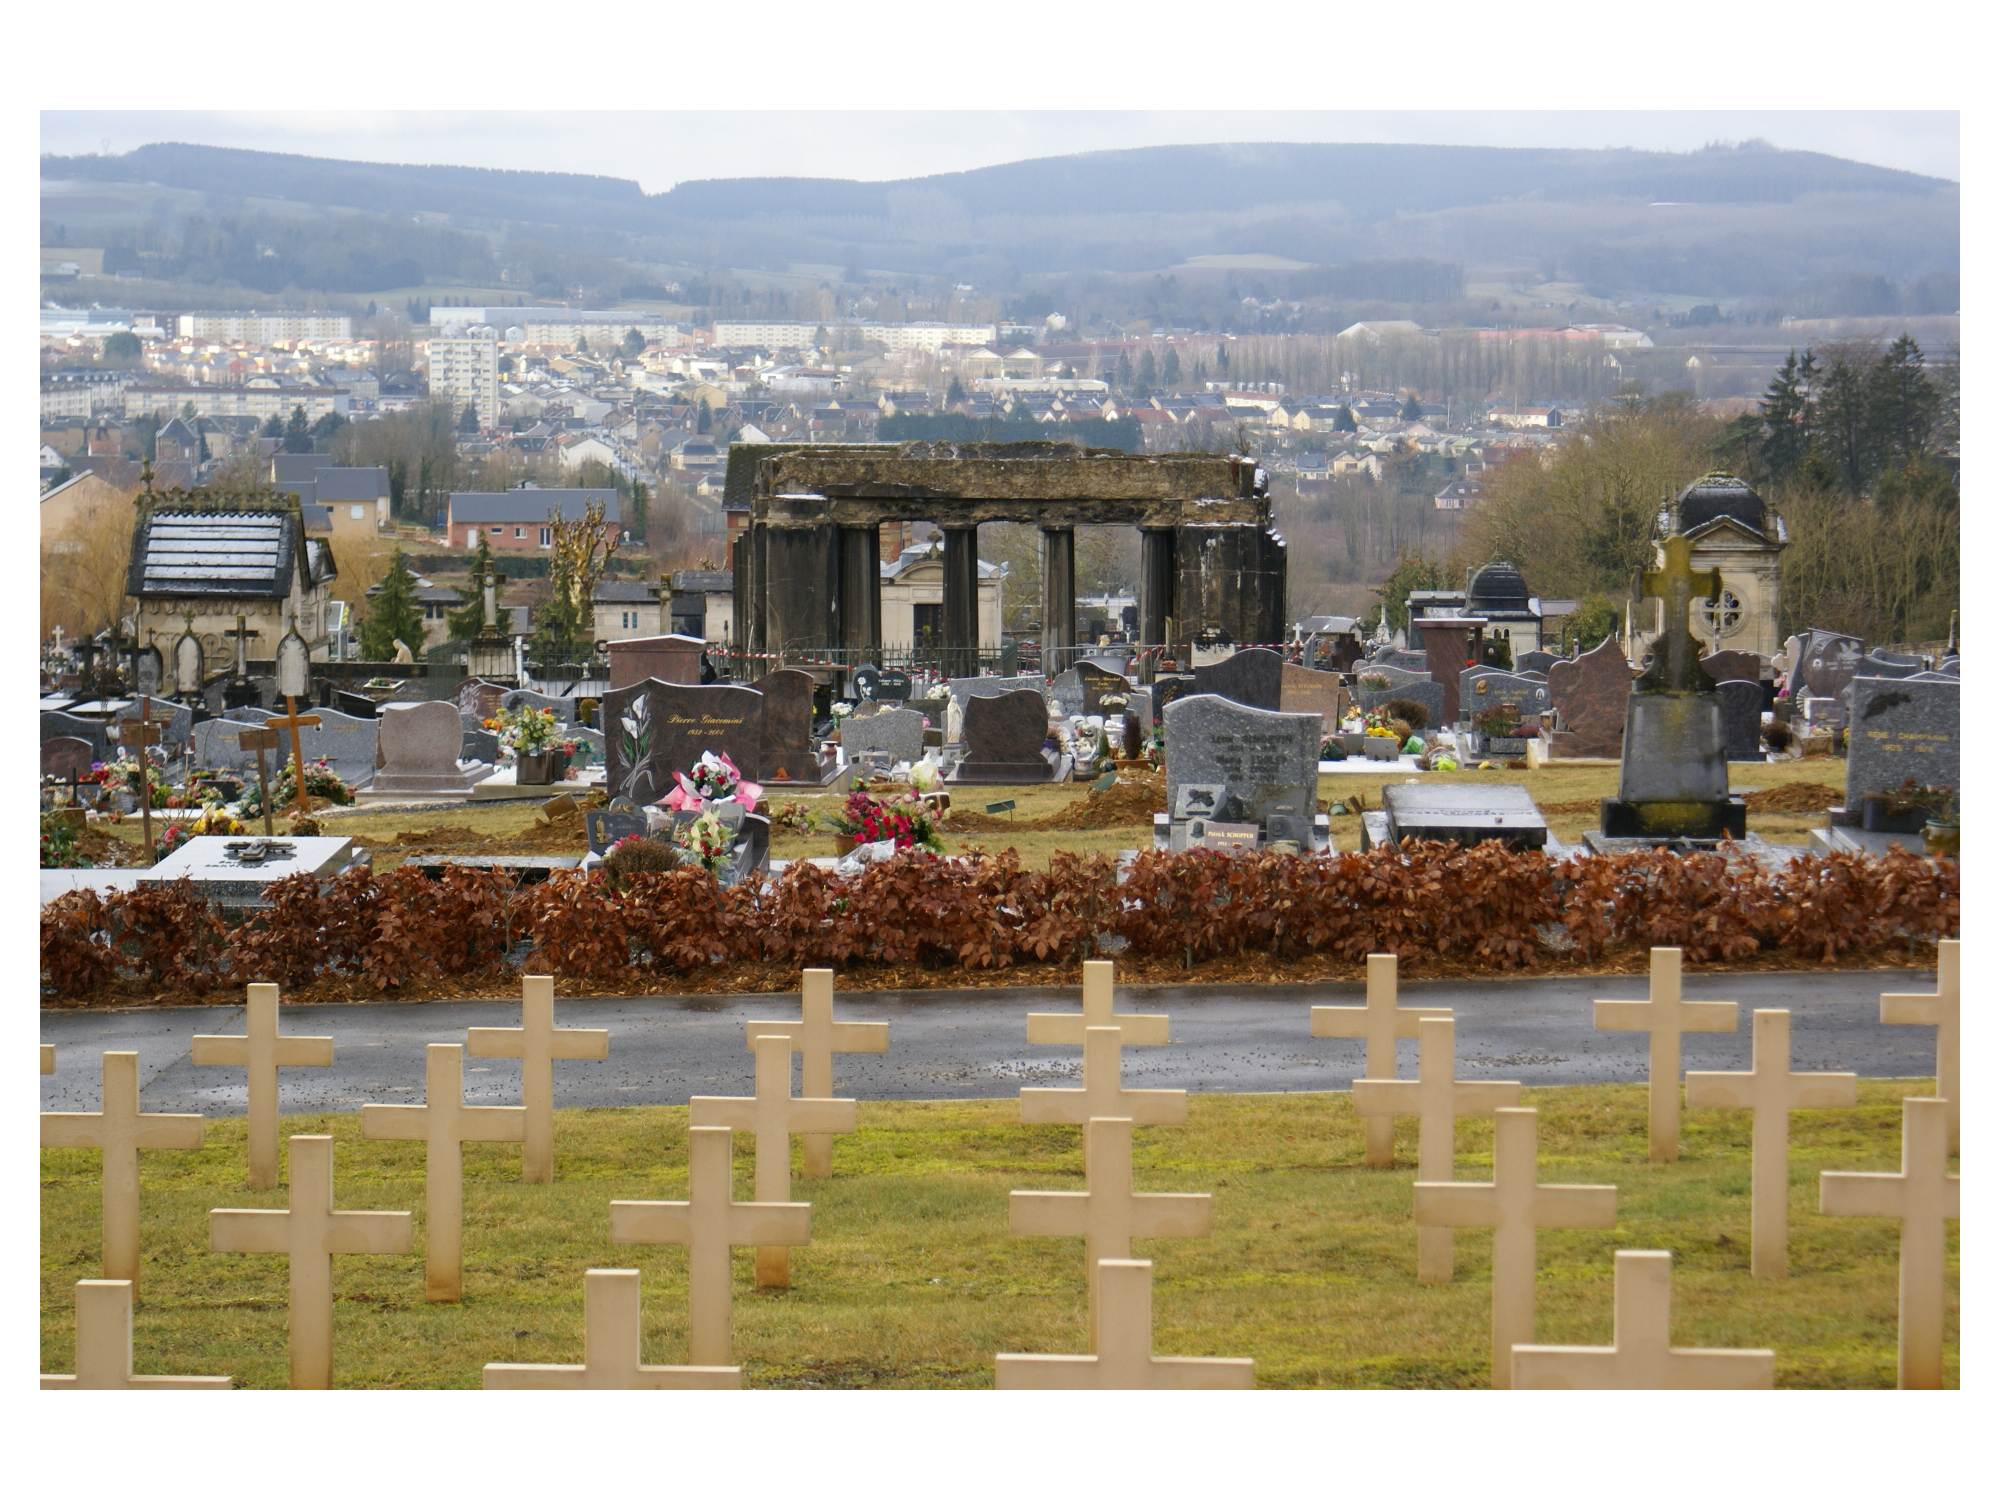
<point>653,729</point>
<point>563,708</point>
<point>1889,664</point>
<point>420,744</point>
<point>66,757</point>
<point>481,698</point>
<point>348,744</point>
<point>249,713</point>
<point>899,732</point>
<point>215,747</point>
<point>1536,661</point>
<point>1465,813</point>
<point>1742,718</point>
<point>1269,761</point>
<point>1167,687</point>
<point>1396,656</point>
<point>1482,687</point>
<point>1422,690</point>
<point>1949,666</point>
<point>1004,737</point>
<point>1082,689</point>
<point>1253,678</point>
<point>603,827</point>
<point>1901,730</point>
<point>1733,666</point>
<point>478,744</point>
<point>1828,661</point>
<point>70,726</point>
<point>963,688</point>
<point>1393,675</point>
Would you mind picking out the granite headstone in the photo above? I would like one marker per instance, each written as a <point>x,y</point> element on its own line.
<point>897,732</point>
<point>1252,677</point>
<point>420,744</point>
<point>785,751</point>
<point>1417,690</point>
<point>1742,718</point>
<point>1168,686</point>
<point>1589,693</point>
<point>1733,666</point>
<point>1004,737</point>
<point>1483,687</point>
<point>1302,690</point>
<point>1083,688</point>
<point>1902,729</point>
<point>653,729</point>
<point>1268,760</point>
<point>1537,661</point>
<point>480,697</point>
<point>563,708</point>
<point>66,757</point>
<point>69,726</point>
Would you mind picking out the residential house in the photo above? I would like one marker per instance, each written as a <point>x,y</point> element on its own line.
<point>702,603</point>
<point>913,599</point>
<point>698,455</point>
<point>1457,494</point>
<point>623,609</point>
<point>436,602</point>
<point>518,520</point>
<point>75,499</point>
<point>1525,416</point>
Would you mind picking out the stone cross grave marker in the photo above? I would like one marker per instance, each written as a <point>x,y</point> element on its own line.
<point>1514,1205</point>
<point>1437,1099</point>
<point>1640,1357</point>
<point>772,1117</point>
<point>816,1036</point>
<point>611,1360</point>
<point>1103,1095</point>
<point>1108,1215</point>
<point>1664,1016</point>
<point>1923,1196</point>
<point>1901,729</point>
<point>309,1234</point>
<point>1770,1091</point>
<point>1939,1010</point>
<point>539,1042</point>
<point>104,1347</point>
<point>1068,1028</point>
<point>1383,1023</point>
<point>709,1223</point>
<point>120,1132</point>
<point>1124,1360</point>
<point>261,1051</point>
<point>444,1122</point>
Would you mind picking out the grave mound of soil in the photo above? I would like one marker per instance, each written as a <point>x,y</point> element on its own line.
<point>1130,802</point>
<point>1797,797</point>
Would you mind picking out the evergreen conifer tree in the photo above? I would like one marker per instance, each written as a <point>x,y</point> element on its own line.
<point>393,614</point>
<point>298,432</point>
<point>469,619</point>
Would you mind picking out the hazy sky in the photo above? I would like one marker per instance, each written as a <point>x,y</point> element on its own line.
<point>662,148</point>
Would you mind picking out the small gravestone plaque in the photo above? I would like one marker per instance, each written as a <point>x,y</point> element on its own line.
<point>1004,740</point>
<point>1208,799</point>
<point>1742,718</point>
<point>603,827</point>
<point>1268,761</point>
<point>1225,838</point>
<point>897,733</point>
<point>1901,730</point>
<point>1253,678</point>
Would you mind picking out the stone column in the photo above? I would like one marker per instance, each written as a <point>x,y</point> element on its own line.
<point>961,601</point>
<point>1229,579</point>
<point>1058,598</point>
<point>799,585</point>
<point>1156,585</point>
<point>860,593</point>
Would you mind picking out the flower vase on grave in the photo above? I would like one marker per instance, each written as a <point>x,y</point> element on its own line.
<point>534,768</point>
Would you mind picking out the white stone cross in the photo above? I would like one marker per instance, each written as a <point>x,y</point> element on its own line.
<point>816,1036</point>
<point>1066,1028</point>
<point>1771,1091</point>
<point>1939,1010</point>
<point>443,1122</point>
<point>709,1223</point>
<point>1665,1016</point>
<point>773,1117</point>
<point>48,1057</point>
<point>1103,1095</point>
<point>1436,1099</point>
<point>310,1233</point>
<point>120,1132</point>
<point>1923,1196</point>
<point>104,1348</point>
<point>1513,1205</point>
<point>611,1351</point>
<point>539,1043</point>
<point>262,1051</point>
<point>1109,1215</point>
<point>1640,1358</point>
<point>1124,1360</point>
<point>1382,1022</point>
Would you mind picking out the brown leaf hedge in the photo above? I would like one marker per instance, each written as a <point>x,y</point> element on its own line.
<point>1484,904</point>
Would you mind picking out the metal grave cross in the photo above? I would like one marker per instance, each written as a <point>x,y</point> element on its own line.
<point>1383,1022</point>
<point>121,1132</point>
<point>261,1051</point>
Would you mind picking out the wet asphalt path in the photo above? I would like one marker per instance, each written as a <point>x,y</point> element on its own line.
<point>968,1044</point>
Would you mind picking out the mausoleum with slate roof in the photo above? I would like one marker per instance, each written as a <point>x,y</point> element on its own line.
<point>1734,532</point>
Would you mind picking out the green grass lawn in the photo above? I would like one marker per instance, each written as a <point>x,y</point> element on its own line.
<point>912,1279</point>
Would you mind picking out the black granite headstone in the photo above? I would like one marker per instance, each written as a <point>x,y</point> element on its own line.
<point>1254,678</point>
<point>1742,718</point>
<point>786,752</point>
<point>1004,737</point>
<point>653,729</point>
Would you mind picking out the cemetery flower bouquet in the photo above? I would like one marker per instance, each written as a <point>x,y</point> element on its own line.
<point>1915,796</point>
<point>715,779</point>
<point>1372,682</point>
<point>1502,720</point>
<point>320,782</point>
<point>706,841</point>
<point>1331,748</point>
<point>171,838</point>
<point>842,710</point>
<point>526,730</point>
<point>906,819</point>
<point>59,851</point>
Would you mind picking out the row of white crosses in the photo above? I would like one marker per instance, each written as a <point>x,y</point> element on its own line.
<point>1514,1205</point>
<point>1109,1215</point>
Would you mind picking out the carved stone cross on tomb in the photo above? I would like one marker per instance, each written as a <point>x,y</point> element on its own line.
<point>1923,1196</point>
<point>444,1122</point>
<point>294,721</point>
<point>1066,1028</point>
<point>1675,583</point>
<point>539,1043</point>
<point>262,1051</point>
<point>773,1117</point>
<point>611,1351</point>
<point>1939,1010</point>
<point>309,1233</point>
<point>1103,1095</point>
<point>709,1223</point>
<point>1108,1215</point>
<point>1436,1099</point>
<point>1383,1023</point>
<point>48,1057</point>
<point>139,735</point>
<point>1124,1360</point>
<point>1771,1091</point>
<point>121,1132</point>
<point>816,1036</point>
<point>1640,1357</point>
<point>1514,1205</point>
<point>1665,1016</point>
<point>104,1348</point>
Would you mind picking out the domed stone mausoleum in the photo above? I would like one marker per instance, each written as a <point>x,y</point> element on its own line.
<point>1734,533</point>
